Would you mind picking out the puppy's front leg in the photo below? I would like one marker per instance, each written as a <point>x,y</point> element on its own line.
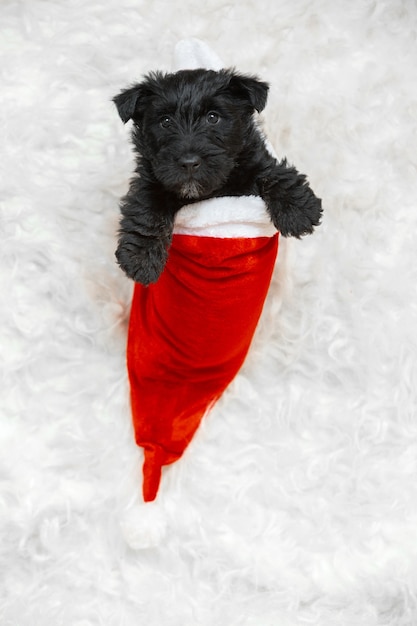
<point>293,207</point>
<point>145,235</point>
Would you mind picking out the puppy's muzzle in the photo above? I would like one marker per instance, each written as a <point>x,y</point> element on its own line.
<point>190,163</point>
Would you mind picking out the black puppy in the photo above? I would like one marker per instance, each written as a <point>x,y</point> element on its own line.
<point>196,138</point>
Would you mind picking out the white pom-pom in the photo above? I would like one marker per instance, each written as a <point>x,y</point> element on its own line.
<point>144,526</point>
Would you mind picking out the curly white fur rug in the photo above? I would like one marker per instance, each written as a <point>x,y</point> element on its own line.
<point>297,501</point>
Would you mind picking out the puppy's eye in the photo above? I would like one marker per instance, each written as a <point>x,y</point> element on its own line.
<point>165,121</point>
<point>212,117</point>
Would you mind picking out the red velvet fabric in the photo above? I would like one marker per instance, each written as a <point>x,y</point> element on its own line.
<point>188,336</point>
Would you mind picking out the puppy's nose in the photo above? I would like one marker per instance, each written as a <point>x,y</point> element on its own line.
<point>190,163</point>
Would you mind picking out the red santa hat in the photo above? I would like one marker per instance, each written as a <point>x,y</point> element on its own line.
<point>190,332</point>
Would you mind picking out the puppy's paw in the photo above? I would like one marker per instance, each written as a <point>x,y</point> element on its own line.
<point>293,207</point>
<point>142,262</point>
<point>298,219</point>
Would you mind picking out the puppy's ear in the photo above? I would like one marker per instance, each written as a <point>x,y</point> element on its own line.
<point>251,88</point>
<point>127,102</point>
<point>131,102</point>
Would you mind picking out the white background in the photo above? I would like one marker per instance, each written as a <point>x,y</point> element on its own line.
<point>297,501</point>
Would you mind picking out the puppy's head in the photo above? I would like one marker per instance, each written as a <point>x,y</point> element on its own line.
<point>191,125</point>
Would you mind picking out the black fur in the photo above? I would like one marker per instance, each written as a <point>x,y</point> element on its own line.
<point>195,138</point>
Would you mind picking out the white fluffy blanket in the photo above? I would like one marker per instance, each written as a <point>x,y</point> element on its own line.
<point>297,501</point>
